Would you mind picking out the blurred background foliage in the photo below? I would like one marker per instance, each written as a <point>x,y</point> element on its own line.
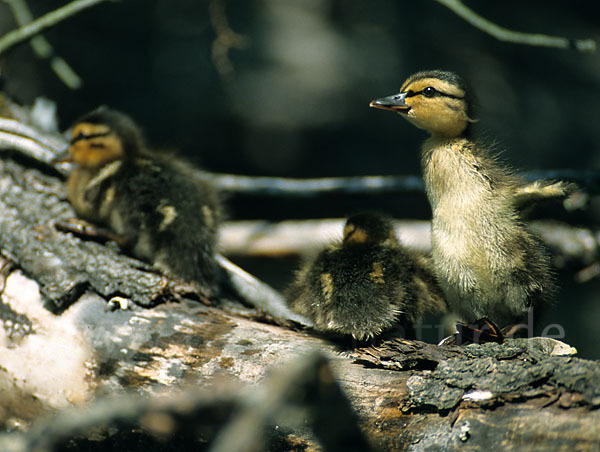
<point>296,100</point>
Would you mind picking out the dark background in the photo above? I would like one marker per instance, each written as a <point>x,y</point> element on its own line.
<point>297,104</point>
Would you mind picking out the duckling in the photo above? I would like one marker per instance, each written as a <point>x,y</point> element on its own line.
<point>366,284</point>
<point>487,261</point>
<point>161,211</point>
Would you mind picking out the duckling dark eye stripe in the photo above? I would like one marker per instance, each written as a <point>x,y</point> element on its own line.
<point>451,96</point>
<point>437,93</point>
<point>83,136</point>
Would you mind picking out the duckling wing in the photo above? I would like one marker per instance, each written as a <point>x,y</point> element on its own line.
<point>529,194</point>
<point>171,220</point>
<point>358,292</point>
<point>428,293</point>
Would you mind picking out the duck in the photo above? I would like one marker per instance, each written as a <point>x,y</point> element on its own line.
<point>487,261</point>
<point>160,211</point>
<point>365,284</point>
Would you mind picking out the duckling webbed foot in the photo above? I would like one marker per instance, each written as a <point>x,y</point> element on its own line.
<point>89,231</point>
<point>479,332</point>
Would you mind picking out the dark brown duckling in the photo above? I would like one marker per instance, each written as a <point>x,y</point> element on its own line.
<point>163,214</point>
<point>366,284</point>
<point>487,261</point>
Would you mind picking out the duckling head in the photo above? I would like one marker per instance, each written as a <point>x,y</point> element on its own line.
<point>103,136</point>
<point>436,101</point>
<point>368,228</point>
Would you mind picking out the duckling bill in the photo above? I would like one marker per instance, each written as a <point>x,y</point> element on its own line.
<point>163,213</point>
<point>487,261</point>
<point>366,284</point>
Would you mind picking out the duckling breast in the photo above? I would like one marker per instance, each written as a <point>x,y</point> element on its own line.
<point>91,192</point>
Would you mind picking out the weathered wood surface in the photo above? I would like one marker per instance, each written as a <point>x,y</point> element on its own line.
<point>523,395</point>
<point>408,395</point>
<point>64,265</point>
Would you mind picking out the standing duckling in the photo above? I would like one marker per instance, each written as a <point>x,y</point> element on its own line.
<point>163,214</point>
<point>366,284</point>
<point>487,261</point>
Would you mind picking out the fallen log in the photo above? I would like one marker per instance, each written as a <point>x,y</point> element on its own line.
<point>408,395</point>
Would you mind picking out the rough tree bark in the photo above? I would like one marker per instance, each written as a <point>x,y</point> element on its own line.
<point>59,348</point>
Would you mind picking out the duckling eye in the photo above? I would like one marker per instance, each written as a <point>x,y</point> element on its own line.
<point>429,91</point>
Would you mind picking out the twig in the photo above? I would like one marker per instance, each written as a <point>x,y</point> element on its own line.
<point>12,126</point>
<point>46,21</point>
<point>369,185</point>
<point>257,293</point>
<point>26,146</point>
<point>516,37</point>
<point>279,186</point>
<point>225,40</point>
<point>28,141</point>
<point>42,47</point>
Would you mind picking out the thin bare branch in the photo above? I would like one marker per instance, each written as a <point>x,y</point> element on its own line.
<point>588,273</point>
<point>369,185</point>
<point>12,126</point>
<point>257,293</point>
<point>516,37</point>
<point>279,186</point>
<point>36,27</point>
<point>26,146</point>
<point>42,48</point>
<point>225,40</point>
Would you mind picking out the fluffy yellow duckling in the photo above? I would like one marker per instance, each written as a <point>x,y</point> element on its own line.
<point>487,261</point>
